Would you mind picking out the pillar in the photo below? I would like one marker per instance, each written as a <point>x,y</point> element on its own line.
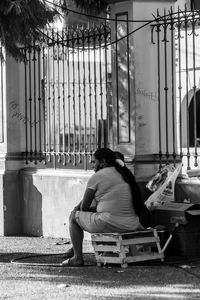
<point>10,146</point>
<point>134,66</point>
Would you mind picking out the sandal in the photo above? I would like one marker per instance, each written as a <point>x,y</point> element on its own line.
<point>72,263</point>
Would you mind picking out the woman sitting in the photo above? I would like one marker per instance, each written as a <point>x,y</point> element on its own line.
<point>117,208</point>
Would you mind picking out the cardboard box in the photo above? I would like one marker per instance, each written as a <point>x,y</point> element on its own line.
<point>186,238</point>
<point>187,191</point>
<point>174,212</point>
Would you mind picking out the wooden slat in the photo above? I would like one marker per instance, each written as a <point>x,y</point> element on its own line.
<point>111,260</point>
<point>105,238</point>
<point>114,248</point>
<point>138,241</point>
<point>144,257</point>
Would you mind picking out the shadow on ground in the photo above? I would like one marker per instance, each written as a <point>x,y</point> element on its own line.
<point>36,271</point>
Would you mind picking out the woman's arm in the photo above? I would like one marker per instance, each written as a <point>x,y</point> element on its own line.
<point>77,207</point>
<point>87,199</point>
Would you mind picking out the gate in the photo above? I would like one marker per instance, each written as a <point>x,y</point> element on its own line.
<point>176,36</point>
<point>67,86</point>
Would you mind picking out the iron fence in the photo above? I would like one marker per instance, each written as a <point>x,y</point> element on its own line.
<point>66,90</point>
<point>176,37</point>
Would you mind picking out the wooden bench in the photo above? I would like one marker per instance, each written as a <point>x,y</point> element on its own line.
<point>125,248</point>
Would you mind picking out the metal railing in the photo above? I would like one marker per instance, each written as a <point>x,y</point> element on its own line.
<point>68,92</point>
<point>66,89</point>
<point>176,36</point>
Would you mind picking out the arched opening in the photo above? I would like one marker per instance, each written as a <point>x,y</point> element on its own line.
<point>194,140</point>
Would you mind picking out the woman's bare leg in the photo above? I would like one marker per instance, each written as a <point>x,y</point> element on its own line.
<point>76,234</point>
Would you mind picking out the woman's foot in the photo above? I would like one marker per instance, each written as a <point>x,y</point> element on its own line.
<point>73,262</point>
<point>69,253</point>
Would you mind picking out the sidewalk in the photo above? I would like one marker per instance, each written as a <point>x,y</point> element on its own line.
<point>40,277</point>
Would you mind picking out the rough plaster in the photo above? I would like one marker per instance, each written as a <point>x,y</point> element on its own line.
<point>49,199</point>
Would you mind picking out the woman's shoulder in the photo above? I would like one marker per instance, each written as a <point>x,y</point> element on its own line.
<point>104,172</point>
<point>107,170</point>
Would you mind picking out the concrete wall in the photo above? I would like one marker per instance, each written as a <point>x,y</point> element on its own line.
<point>48,196</point>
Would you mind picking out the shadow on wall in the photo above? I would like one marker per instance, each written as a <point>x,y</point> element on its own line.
<point>31,207</point>
<point>11,222</point>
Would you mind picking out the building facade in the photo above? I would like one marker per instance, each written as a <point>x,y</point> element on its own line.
<point>129,82</point>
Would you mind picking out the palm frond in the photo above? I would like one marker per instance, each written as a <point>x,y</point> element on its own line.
<point>20,21</point>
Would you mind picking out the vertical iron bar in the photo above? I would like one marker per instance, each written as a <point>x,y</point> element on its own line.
<point>100,73</point>
<point>106,83</point>
<point>49,56</point>
<point>166,86</point>
<point>58,97</point>
<point>63,99</point>
<point>180,83</point>
<point>30,104</point>
<point>26,104</point>
<point>117,79</point>
<point>84,102</point>
<point>173,94</point>
<point>90,96</point>
<point>79,97</point>
<point>187,99</point>
<point>95,88</point>
<point>53,101</point>
<point>39,104</point>
<point>74,98</point>
<point>159,98</point>
<point>69,98</point>
<point>128,67</point>
<point>34,101</point>
<point>194,90</point>
<point>44,81</point>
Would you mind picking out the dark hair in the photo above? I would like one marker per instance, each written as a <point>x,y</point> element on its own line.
<point>110,157</point>
<point>119,155</point>
<point>107,154</point>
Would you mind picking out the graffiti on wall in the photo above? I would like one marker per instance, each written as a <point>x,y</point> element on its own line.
<point>18,115</point>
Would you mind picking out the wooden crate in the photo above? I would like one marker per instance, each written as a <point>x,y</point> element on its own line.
<point>125,248</point>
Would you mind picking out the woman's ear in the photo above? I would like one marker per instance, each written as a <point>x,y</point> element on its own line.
<point>102,163</point>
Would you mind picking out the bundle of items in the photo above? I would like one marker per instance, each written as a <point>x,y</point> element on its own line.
<point>162,186</point>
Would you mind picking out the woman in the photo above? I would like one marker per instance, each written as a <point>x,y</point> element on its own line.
<point>110,188</point>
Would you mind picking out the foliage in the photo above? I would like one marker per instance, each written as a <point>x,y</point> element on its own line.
<point>21,21</point>
<point>87,5</point>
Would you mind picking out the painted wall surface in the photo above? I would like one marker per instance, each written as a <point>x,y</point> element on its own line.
<point>146,77</point>
<point>48,197</point>
<point>10,204</point>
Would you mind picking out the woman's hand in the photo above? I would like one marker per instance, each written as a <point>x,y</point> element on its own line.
<point>72,215</point>
<point>87,199</point>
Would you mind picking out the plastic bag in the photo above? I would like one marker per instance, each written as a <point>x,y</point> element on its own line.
<point>162,186</point>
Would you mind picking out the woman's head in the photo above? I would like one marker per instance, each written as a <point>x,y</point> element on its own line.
<point>103,157</point>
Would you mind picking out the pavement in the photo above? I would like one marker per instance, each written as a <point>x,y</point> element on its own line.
<point>30,269</point>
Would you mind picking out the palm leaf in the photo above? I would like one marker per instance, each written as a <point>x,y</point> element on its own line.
<point>20,21</point>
